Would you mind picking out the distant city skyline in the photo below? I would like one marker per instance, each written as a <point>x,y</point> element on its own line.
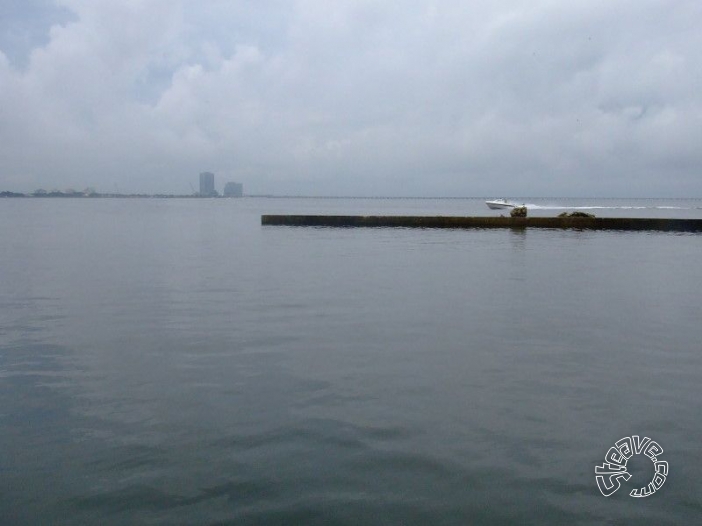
<point>424,98</point>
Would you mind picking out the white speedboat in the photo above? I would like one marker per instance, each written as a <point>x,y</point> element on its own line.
<point>498,204</point>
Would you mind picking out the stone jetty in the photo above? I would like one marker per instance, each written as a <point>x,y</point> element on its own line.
<point>580,223</point>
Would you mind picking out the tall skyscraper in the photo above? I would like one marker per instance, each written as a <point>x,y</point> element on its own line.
<point>207,187</point>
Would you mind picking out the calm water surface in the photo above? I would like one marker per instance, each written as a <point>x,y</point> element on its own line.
<point>174,362</point>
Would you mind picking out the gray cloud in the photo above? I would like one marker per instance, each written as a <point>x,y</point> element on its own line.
<point>355,97</point>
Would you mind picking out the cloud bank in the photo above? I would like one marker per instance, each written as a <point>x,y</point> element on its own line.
<point>310,97</point>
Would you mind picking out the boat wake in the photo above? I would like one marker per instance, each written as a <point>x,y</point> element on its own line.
<point>598,207</point>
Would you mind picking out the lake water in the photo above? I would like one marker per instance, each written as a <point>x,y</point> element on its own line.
<point>172,361</point>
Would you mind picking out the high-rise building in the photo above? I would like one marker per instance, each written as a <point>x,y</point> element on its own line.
<point>233,190</point>
<point>207,188</point>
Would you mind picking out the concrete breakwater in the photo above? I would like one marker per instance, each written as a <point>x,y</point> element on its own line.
<point>585,223</point>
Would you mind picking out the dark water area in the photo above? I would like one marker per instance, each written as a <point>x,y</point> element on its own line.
<point>172,361</point>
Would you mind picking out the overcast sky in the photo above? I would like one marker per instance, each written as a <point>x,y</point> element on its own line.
<point>354,97</point>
